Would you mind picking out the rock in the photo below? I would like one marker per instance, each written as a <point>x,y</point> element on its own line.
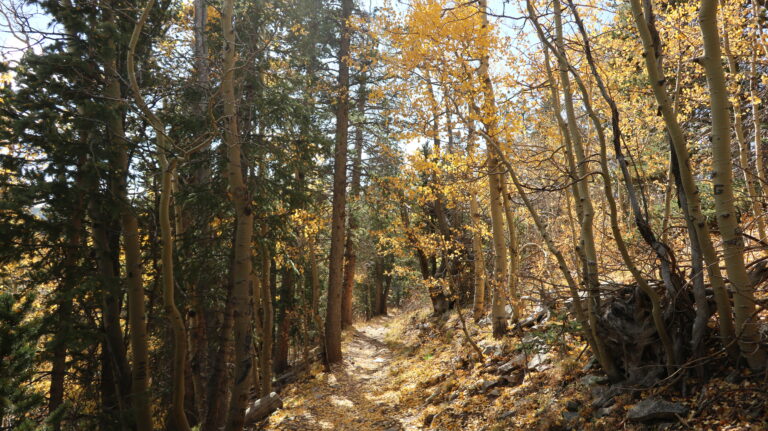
<point>590,364</point>
<point>540,362</point>
<point>570,416</point>
<point>494,393</point>
<point>652,409</point>
<point>592,380</point>
<point>516,362</point>
<point>603,412</point>
<point>509,310</point>
<point>492,350</point>
<point>604,396</point>
<point>572,405</point>
<point>487,384</point>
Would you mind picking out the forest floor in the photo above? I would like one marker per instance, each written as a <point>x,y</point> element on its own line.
<point>412,371</point>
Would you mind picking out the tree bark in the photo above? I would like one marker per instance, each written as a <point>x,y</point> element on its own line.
<point>221,377</point>
<point>267,324</point>
<point>241,200</point>
<point>711,262</point>
<point>178,415</point>
<point>722,178</point>
<point>106,244</point>
<point>354,191</point>
<point>514,255</point>
<point>336,258</point>
<point>500,279</point>
<point>282,346</point>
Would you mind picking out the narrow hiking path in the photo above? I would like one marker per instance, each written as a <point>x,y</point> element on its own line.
<point>414,371</point>
<point>356,395</point>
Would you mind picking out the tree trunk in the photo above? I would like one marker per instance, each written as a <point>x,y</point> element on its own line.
<point>478,306</point>
<point>280,364</point>
<point>241,200</point>
<point>514,255</point>
<point>354,191</point>
<point>500,278</point>
<point>733,241</point>
<point>579,187</point>
<point>106,230</point>
<point>198,335</point>
<point>754,95</point>
<point>613,212</point>
<point>64,301</point>
<point>378,285</point>
<point>178,415</point>
<point>743,145</point>
<point>478,269</point>
<point>266,344</point>
<point>657,81</point>
<point>221,376</point>
<point>587,238</point>
<point>336,258</point>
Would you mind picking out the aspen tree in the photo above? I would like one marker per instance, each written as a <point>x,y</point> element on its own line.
<point>587,242</point>
<point>755,101</point>
<point>488,114</point>
<point>608,188</point>
<point>241,200</point>
<point>478,306</point>
<point>177,414</point>
<point>691,191</point>
<point>514,256</point>
<point>579,183</point>
<point>741,140</point>
<point>722,178</point>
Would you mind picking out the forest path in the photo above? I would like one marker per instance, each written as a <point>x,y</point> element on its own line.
<point>358,394</point>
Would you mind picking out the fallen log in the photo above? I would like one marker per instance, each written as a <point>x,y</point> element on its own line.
<point>262,408</point>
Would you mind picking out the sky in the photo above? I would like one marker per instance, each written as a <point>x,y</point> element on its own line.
<point>12,42</point>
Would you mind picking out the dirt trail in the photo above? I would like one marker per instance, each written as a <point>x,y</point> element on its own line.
<point>356,395</point>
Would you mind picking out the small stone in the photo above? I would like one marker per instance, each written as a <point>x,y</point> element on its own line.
<point>603,412</point>
<point>652,409</point>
